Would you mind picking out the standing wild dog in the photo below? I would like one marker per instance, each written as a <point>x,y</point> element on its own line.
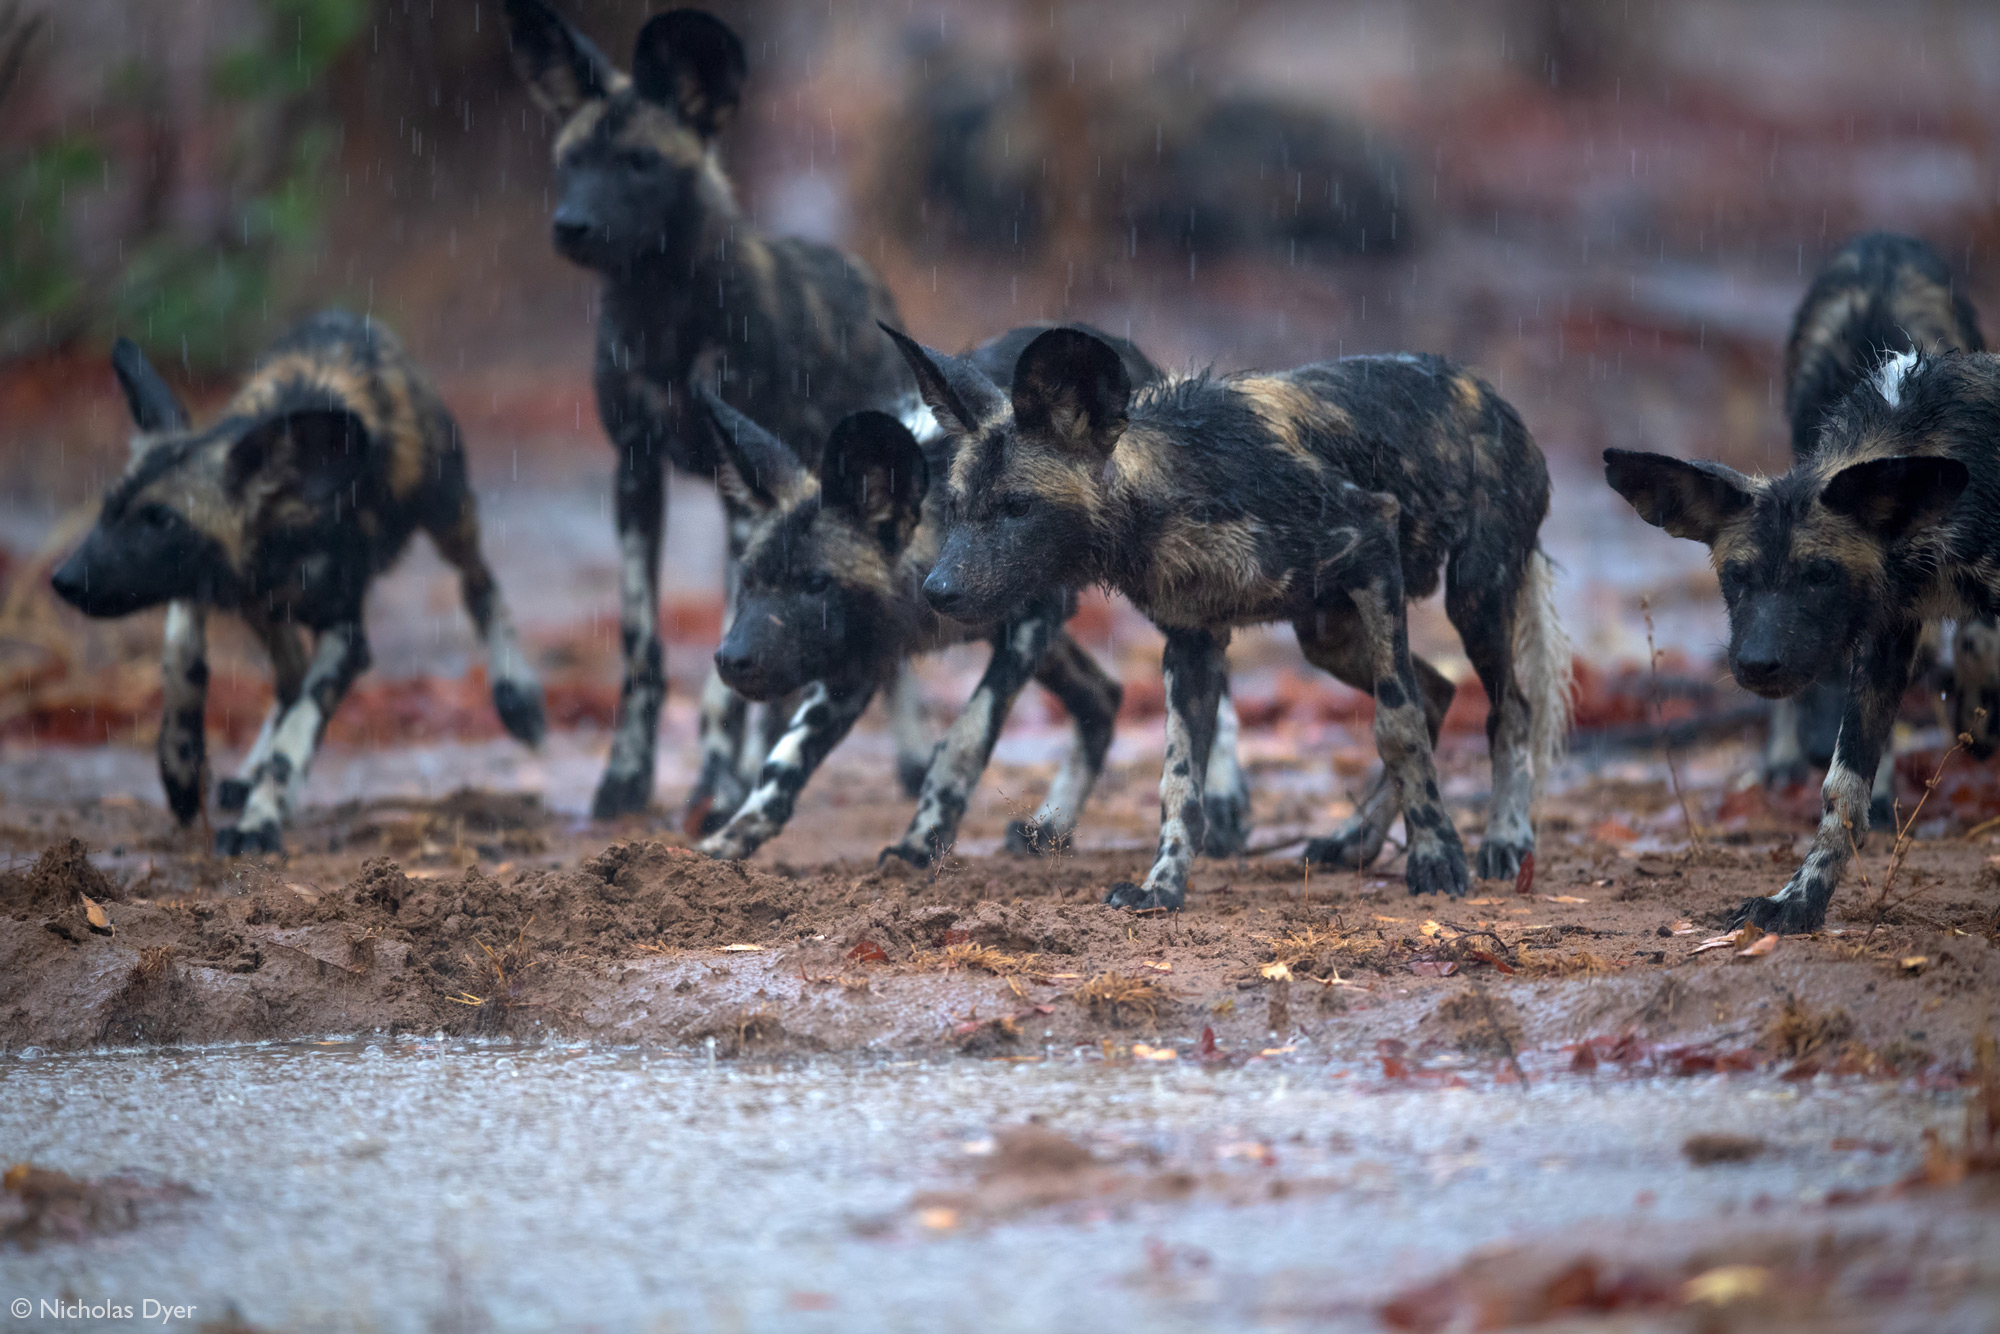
<point>1890,521</point>
<point>1880,295</point>
<point>283,511</point>
<point>1326,496</point>
<point>830,602</point>
<point>785,328</point>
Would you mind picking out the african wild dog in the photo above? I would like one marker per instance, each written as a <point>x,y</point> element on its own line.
<point>1881,294</point>
<point>282,511</point>
<point>830,601</point>
<point>1889,522</point>
<point>1326,496</point>
<point>785,328</point>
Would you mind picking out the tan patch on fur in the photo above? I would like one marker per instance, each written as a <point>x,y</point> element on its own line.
<point>578,128</point>
<point>1200,572</point>
<point>1292,415</point>
<point>1923,309</point>
<point>658,129</point>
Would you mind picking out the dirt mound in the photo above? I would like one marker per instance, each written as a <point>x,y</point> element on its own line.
<point>62,872</point>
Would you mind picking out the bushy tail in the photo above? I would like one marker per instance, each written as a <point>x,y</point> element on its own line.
<point>1543,668</point>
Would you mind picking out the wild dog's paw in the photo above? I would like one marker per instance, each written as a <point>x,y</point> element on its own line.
<point>713,803</point>
<point>248,841</point>
<point>1352,847</point>
<point>919,857</point>
<point>519,704</point>
<point>622,794</point>
<point>1785,913</point>
<point>1437,866</point>
<point>1500,860</point>
<point>1125,894</point>
<point>1032,838</point>
<point>1228,831</point>
<point>725,847</point>
<point>231,794</point>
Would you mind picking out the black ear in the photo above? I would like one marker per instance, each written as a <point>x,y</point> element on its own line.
<point>321,452</point>
<point>959,396</point>
<point>1072,386</point>
<point>154,406</point>
<point>875,470</point>
<point>1895,497</point>
<point>562,68</point>
<point>1693,500</point>
<point>692,62</point>
<point>757,465</point>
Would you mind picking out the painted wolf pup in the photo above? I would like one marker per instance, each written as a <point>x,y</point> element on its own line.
<point>692,293</point>
<point>1326,496</point>
<point>308,486</point>
<point>1888,523</point>
<point>1881,294</point>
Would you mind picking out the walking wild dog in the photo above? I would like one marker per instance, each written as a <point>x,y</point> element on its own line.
<point>1880,295</point>
<point>308,486</point>
<point>1888,523</point>
<point>785,328</point>
<point>830,601</point>
<point>1326,496</point>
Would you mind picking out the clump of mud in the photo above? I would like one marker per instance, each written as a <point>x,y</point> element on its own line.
<point>63,890</point>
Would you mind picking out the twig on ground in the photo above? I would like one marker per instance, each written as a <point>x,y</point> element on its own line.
<point>1900,851</point>
<point>1660,715</point>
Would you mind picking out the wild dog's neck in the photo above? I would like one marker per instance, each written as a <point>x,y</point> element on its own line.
<point>1125,496</point>
<point>674,302</point>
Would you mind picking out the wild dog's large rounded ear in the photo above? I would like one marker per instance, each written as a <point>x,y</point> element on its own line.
<point>154,406</point>
<point>692,62</point>
<point>1688,499</point>
<point>320,451</point>
<point>1895,497</point>
<point>875,470</point>
<point>757,466</point>
<point>1071,386</point>
<point>958,395</point>
<point>562,68</point>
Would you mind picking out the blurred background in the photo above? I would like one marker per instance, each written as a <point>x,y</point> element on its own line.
<point>1609,207</point>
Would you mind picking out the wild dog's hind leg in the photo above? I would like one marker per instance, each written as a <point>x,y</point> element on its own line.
<point>823,718</point>
<point>1336,641</point>
<point>1195,666</point>
<point>183,745</point>
<point>1482,603</point>
<point>1226,793</point>
<point>641,515</point>
<point>286,648</point>
<point>724,779</point>
<point>1018,649</point>
<point>340,656</point>
<point>517,695</point>
<point>1881,674</point>
<point>1091,697</point>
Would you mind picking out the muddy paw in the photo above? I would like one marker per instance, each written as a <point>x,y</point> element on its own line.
<point>519,704</point>
<point>1228,832</point>
<point>622,794</point>
<point>247,842</point>
<point>1501,861</point>
<point>905,852</point>
<point>1352,847</point>
<point>231,794</point>
<point>1437,869</point>
<point>1032,838</point>
<point>1125,894</point>
<point>1788,916</point>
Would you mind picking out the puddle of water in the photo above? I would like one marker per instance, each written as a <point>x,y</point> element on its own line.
<point>422,1185</point>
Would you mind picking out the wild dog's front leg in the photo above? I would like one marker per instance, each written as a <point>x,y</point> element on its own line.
<point>1226,795</point>
<point>961,757</point>
<point>641,514</point>
<point>1881,674</point>
<point>517,695</point>
<point>1436,858</point>
<point>1195,665</point>
<point>914,747</point>
<point>340,656</point>
<point>723,779</point>
<point>286,648</point>
<point>823,718</point>
<point>1068,672</point>
<point>183,745</point>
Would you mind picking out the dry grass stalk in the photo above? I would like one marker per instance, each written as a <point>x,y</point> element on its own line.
<point>1115,996</point>
<point>967,954</point>
<point>1899,852</point>
<point>1660,720</point>
<point>1799,1032</point>
<point>1555,963</point>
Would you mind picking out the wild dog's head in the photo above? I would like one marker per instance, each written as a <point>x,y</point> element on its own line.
<point>819,594</point>
<point>1803,558</point>
<point>183,520</point>
<point>634,170</point>
<point>1028,470</point>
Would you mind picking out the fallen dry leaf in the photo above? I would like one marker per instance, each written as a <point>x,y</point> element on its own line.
<point>1430,928</point>
<point>1759,947</point>
<point>1682,928</point>
<point>1276,1051</point>
<point>867,951</point>
<point>1524,879</point>
<point>938,1220</point>
<point>1433,967</point>
<point>1158,967</point>
<point>740,949</point>
<point>1726,1284</point>
<point>1276,972</point>
<point>1914,963</point>
<point>1488,956</point>
<point>1562,898</point>
<point>94,913</point>
<point>1143,1052</point>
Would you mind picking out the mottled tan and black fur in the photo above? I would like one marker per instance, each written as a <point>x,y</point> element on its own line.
<point>1325,496</point>
<point>283,511</point>
<point>1892,521</point>
<point>1880,295</point>
<point>784,329</point>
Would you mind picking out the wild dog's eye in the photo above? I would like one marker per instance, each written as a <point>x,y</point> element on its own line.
<point>1735,574</point>
<point>1819,573</point>
<point>1017,507</point>
<point>817,581</point>
<point>153,517</point>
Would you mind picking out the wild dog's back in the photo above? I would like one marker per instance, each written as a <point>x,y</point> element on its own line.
<point>1880,294</point>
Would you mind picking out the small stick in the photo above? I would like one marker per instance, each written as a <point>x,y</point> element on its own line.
<point>1900,851</point>
<point>1660,713</point>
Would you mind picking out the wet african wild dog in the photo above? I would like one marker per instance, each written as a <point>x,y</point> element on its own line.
<point>1888,523</point>
<point>1327,496</point>
<point>692,293</point>
<point>830,603</point>
<point>1880,295</point>
<point>282,511</point>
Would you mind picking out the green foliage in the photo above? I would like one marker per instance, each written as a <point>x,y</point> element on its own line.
<point>39,285</point>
